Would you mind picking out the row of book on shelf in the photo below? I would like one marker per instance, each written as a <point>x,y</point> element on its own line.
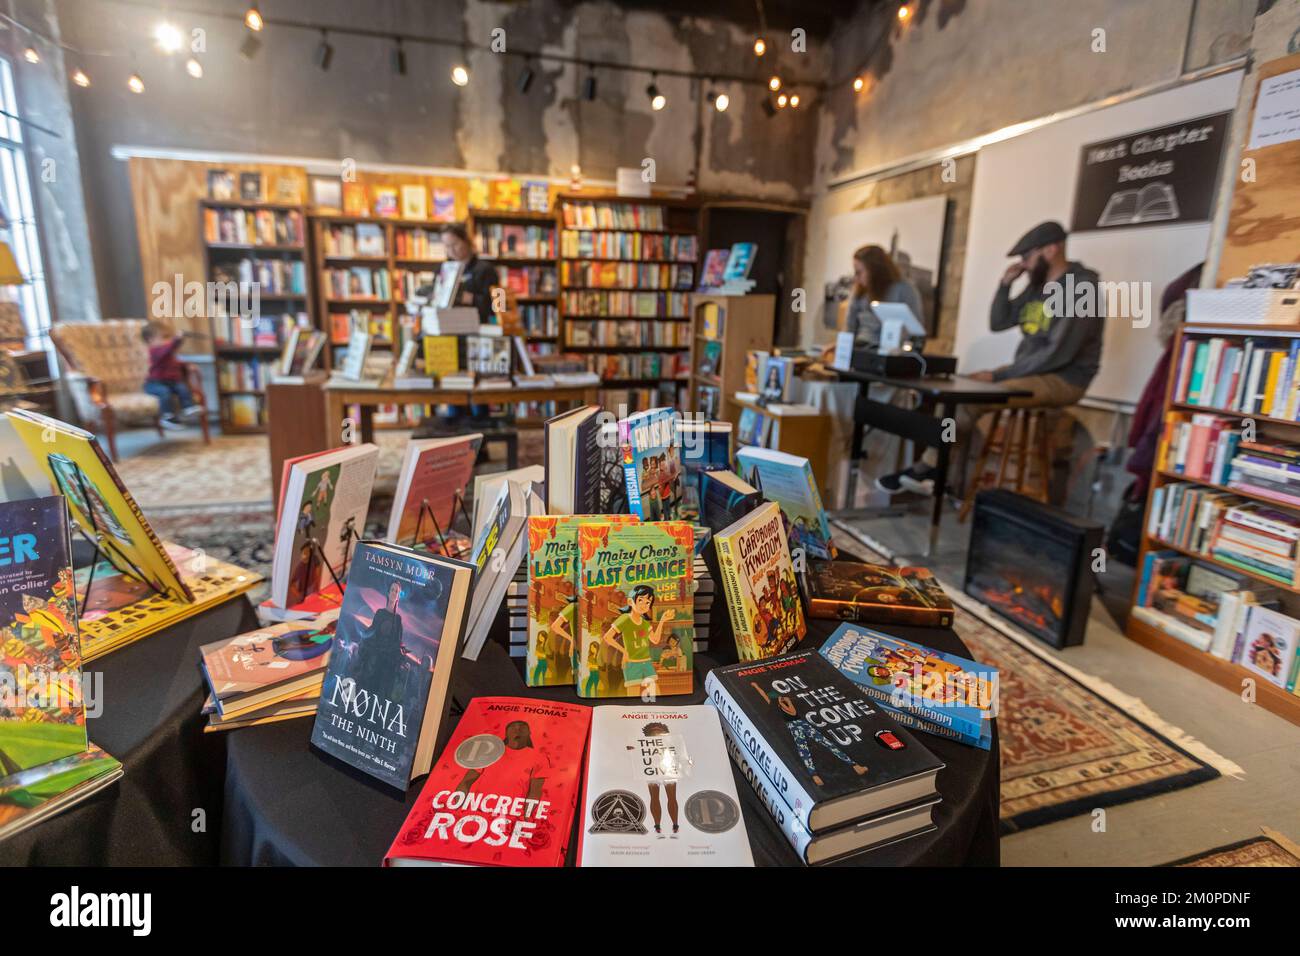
<point>586,274</point>
<point>253,227</point>
<point>599,303</point>
<point>626,333</point>
<point>273,276</point>
<point>1253,376</point>
<point>632,246</point>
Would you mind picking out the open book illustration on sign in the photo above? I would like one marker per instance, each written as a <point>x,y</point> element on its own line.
<point>1154,202</point>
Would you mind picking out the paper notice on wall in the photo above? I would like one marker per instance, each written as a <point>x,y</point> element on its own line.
<point>1277,111</point>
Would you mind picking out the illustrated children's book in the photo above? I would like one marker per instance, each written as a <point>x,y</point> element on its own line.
<point>504,791</point>
<point>924,689</point>
<point>759,584</point>
<point>30,796</point>
<point>876,594</point>
<point>385,695</point>
<point>325,499</point>
<point>636,633</point>
<point>828,770</point>
<point>788,480</point>
<point>659,791</point>
<point>1268,646</point>
<point>251,670</point>
<point>651,464</point>
<point>434,471</point>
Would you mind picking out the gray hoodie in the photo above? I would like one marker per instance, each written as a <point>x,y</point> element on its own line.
<point>1068,346</point>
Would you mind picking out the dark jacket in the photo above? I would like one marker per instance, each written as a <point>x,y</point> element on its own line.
<point>477,278</point>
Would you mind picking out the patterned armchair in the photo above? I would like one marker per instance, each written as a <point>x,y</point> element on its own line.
<point>107,364</point>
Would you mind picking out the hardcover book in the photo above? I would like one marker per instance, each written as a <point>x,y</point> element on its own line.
<point>325,499</point>
<point>504,791</point>
<point>573,460</point>
<point>830,753</point>
<point>875,594</point>
<point>434,471</point>
<point>659,791</point>
<point>925,689</point>
<point>636,634</point>
<point>788,480</point>
<point>757,578</point>
<point>30,796</point>
<point>385,695</point>
<point>651,464</point>
<point>251,670</point>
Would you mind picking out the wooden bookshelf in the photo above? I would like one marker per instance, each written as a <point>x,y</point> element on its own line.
<point>1227,674</point>
<point>744,322</point>
<point>244,356</point>
<point>644,232</point>
<point>528,241</point>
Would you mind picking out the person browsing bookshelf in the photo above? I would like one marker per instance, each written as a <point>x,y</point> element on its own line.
<point>1059,352</point>
<point>166,379</point>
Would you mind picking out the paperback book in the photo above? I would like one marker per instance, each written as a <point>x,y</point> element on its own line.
<point>635,609</point>
<point>434,472</point>
<point>385,693</point>
<point>659,791</point>
<point>271,664</point>
<point>875,594</point>
<point>31,796</point>
<point>829,770</point>
<point>504,791</point>
<point>651,464</point>
<point>788,480</point>
<point>758,581</point>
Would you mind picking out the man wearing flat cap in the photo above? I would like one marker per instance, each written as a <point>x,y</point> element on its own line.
<point>1058,354</point>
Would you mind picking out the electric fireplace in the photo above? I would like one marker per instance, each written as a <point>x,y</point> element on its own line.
<point>1032,563</point>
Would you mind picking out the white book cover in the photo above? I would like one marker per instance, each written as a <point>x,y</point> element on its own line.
<point>325,498</point>
<point>1269,646</point>
<point>659,790</point>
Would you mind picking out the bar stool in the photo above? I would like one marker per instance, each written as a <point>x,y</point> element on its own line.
<point>1021,438</point>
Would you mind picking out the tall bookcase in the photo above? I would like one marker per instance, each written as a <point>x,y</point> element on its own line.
<point>248,242</point>
<point>724,329</point>
<point>627,268</point>
<point>1219,402</point>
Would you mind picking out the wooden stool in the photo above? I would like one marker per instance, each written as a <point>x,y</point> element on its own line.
<point>1025,436</point>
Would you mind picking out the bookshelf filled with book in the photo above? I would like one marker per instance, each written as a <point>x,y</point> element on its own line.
<point>246,246</point>
<point>1218,582</point>
<point>524,246</point>
<point>626,271</point>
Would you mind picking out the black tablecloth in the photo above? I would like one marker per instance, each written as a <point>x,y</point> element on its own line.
<point>287,803</point>
<point>153,691</point>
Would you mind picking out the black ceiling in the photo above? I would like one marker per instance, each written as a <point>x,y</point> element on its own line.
<point>815,16</point>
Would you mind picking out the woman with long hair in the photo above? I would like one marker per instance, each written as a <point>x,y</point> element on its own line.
<point>876,278</point>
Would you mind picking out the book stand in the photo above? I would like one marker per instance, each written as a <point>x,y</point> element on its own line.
<point>102,552</point>
<point>457,505</point>
<point>318,552</point>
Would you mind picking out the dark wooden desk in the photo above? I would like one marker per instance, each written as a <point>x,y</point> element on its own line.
<point>941,395</point>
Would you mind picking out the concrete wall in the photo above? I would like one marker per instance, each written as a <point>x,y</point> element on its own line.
<point>280,103</point>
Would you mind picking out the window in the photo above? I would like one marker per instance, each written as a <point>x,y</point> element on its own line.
<point>19,226</point>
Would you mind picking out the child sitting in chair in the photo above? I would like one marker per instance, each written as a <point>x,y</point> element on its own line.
<point>166,381</point>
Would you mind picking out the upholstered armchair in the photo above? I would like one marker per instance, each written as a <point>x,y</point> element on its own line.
<point>107,364</point>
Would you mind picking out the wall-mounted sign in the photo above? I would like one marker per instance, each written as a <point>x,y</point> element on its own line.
<point>1155,177</point>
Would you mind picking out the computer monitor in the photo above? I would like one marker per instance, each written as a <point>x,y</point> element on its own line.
<point>898,323</point>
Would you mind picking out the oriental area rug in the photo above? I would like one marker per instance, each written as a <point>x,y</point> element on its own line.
<point>1271,849</point>
<point>1065,748</point>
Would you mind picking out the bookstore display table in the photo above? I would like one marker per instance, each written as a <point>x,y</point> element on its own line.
<point>152,694</point>
<point>287,804</point>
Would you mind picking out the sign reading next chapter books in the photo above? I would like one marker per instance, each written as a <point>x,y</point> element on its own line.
<point>1152,177</point>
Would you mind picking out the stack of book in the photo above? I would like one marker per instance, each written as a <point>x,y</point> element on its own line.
<point>1257,538</point>
<point>1270,471</point>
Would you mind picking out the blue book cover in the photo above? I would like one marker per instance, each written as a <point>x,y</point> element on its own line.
<point>788,480</point>
<point>385,693</point>
<point>652,468</point>
<point>942,689</point>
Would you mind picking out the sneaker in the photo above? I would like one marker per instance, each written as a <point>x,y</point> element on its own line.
<point>919,479</point>
<point>890,484</point>
<point>191,413</point>
<point>169,422</point>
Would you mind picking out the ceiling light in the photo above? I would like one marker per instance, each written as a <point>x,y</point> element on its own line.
<point>657,100</point>
<point>168,38</point>
<point>525,81</point>
<point>460,75</point>
<point>253,19</point>
<point>324,52</point>
<point>399,58</point>
<point>760,46</point>
<point>718,100</point>
<point>781,101</point>
<point>134,83</point>
<point>774,83</point>
<point>794,100</point>
<point>31,56</point>
<point>80,78</point>
<point>858,84</point>
<point>194,68</point>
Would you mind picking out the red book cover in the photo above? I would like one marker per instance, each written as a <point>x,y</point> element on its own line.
<point>503,792</point>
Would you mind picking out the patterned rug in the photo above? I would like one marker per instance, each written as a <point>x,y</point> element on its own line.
<point>1272,849</point>
<point>1065,749</point>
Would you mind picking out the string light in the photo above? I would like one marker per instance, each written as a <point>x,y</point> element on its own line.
<point>794,100</point>
<point>80,78</point>
<point>904,12</point>
<point>760,46</point>
<point>774,83</point>
<point>168,38</point>
<point>194,68</point>
<point>858,84</point>
<point>31,56</point>
<point>719,100</point>
<point>134,83</point>
<point>781,101</point>
<point>253,19</point>
<point>657,100</point>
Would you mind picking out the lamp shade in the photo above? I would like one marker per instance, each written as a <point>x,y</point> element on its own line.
<point>9,274</point>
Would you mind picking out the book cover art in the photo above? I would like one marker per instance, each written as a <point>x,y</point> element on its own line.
<point>384,694</point>
<point>42,715</point>
<point>434,471</point>
<point>32,795</point>
<point>704,445</point>
<point>98,501</point>
<point>939,688</point>
<point>788,480</point>
<point>659,791</point>
<point>715,269</point>
<point>552,600</point>
<point>1269,645</point>
<point>651,464</point>
<point>759,584</point>
<point>355,200</point>
<point>268,656</point>
<point>876,594</point>
<point>740,261</point>
<point>444,205</point>
<point>504,790</point>
<point>818,737</point>
<point>636,609</point>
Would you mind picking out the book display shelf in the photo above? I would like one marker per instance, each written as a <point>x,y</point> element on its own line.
<point>627,268</point>
<point>246,242</point>
<point>723,331</point>
<point>1222,494</point>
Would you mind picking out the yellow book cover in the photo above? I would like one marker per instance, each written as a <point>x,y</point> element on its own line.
<point>98,501</point>
<point>415,202</point>
<point>1275,362</point>
<point>506,195</point>
<point>441,355</point>
<point>478,194</point>
<point>759,585</point>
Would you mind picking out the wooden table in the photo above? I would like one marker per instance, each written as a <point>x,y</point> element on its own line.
<point>340,393</point>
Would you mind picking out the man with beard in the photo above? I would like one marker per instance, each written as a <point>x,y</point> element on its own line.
<point>1058,355</point>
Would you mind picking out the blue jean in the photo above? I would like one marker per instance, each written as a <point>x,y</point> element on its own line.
<point>166,392</point>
